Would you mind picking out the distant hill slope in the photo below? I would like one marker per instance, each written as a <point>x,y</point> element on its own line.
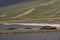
<point>11,2</point>
<point>34,9</point>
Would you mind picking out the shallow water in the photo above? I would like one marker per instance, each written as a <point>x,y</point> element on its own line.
<point>16,26</point>
<point>31,36</point>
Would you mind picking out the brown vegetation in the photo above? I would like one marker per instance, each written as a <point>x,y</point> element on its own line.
<point>11,29</point>
<point>48,28</point>
<point>28,28</point>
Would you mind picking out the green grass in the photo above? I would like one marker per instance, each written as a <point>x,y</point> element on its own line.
<point>39,12</point>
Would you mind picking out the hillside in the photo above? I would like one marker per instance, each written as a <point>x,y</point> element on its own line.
<point>32,11</point>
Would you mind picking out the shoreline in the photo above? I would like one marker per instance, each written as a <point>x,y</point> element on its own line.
<point>26,31</point>
<point>31,30</point>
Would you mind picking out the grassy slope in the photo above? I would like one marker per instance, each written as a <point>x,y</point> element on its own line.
<point>51,10</point>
